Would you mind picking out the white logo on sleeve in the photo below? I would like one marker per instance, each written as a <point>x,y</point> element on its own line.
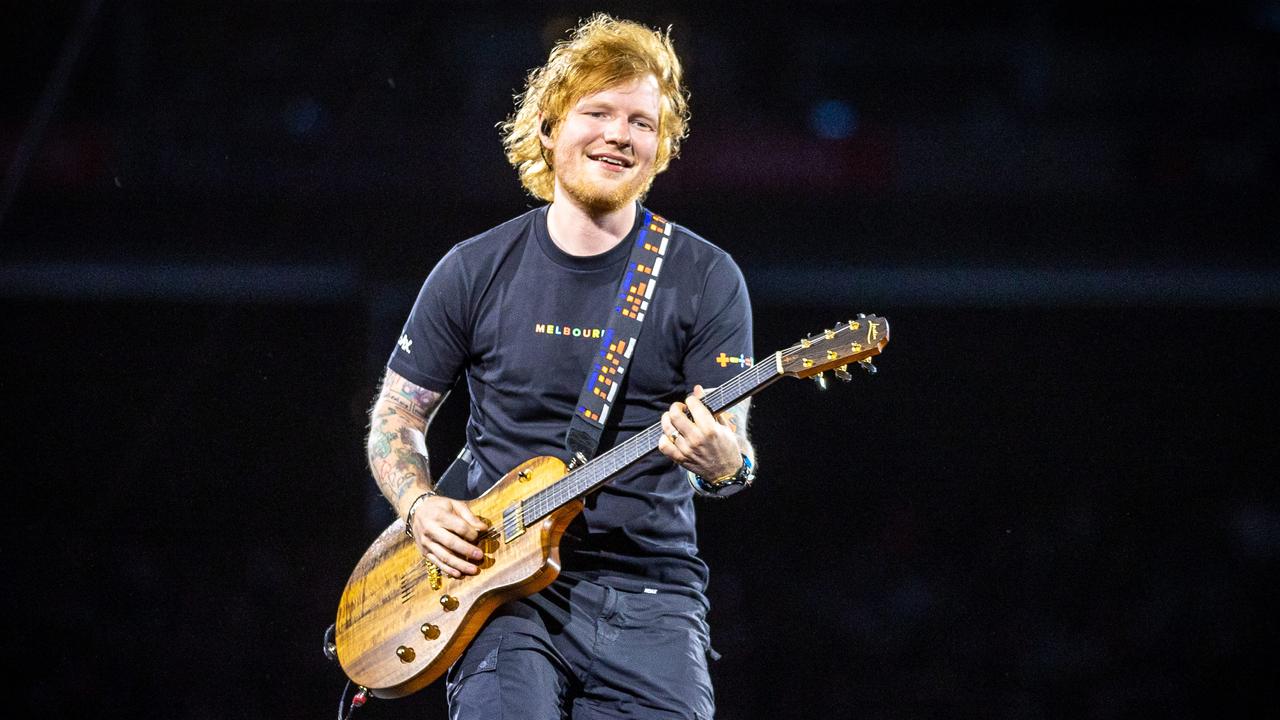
<point>405,343</point>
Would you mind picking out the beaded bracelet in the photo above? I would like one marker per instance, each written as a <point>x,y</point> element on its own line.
<point>730,485</point>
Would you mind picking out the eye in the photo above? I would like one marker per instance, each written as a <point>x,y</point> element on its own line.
<point>643,124</point>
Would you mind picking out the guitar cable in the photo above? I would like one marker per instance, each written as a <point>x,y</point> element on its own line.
<point>345,711</point>
<point>358,700</point>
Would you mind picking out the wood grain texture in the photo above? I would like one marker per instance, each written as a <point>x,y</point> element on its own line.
<point>388,598</point>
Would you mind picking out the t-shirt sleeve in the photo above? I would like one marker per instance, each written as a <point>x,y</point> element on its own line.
<point>432,348</point>
<point>720,345</point>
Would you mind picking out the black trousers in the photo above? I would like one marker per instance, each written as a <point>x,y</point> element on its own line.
<point>584,651</point>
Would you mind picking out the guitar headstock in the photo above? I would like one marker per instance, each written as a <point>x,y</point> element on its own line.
<point>855,341</point>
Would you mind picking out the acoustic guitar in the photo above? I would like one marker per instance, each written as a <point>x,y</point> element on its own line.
<point>402,622</point>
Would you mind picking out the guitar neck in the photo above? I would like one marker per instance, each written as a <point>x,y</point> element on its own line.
<point>583,480</point>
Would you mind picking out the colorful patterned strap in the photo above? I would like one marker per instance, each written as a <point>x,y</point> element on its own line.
<point>600,390</point>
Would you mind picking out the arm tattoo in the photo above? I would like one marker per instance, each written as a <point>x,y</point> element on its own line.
<point>397,448</point>
<point>380,443</point>
<point>413,399</point>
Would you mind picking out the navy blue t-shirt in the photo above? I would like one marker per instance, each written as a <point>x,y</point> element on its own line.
<point>523,319</point>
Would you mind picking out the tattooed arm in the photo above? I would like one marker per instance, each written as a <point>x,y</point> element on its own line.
<point>444,529</point>
<point>398,440</point>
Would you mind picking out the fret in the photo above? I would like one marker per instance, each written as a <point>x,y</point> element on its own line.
<point>598,471</point>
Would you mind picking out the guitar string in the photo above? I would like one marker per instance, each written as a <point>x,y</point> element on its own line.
<point>550,498</point>
<point>543,502</point>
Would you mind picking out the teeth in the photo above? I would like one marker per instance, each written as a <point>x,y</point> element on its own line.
<point>611,161</point>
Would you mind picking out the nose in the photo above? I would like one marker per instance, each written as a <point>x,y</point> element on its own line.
<point>618,132</point>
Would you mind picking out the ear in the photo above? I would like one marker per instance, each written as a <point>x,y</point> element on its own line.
<point>544,131</point>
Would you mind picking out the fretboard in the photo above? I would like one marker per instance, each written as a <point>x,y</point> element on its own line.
<point>586,478</point>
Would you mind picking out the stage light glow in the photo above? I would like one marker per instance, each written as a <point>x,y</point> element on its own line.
<point>833,119</point>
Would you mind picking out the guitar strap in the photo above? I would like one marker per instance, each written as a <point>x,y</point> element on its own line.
<point>610,363</point>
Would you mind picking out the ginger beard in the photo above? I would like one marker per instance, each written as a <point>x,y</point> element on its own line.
<point>599,194</point>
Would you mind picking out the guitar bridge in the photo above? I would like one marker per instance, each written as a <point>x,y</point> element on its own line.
<point>513,522</point>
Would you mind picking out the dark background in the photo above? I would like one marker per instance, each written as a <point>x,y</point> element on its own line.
<point>1054,500</point>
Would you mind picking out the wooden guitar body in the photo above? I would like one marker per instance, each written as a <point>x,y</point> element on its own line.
<point>402,623</point>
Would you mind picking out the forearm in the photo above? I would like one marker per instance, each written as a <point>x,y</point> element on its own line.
<point>397,444</point>
<point>398,459</point>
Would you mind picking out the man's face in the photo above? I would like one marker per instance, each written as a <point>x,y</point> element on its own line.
<point>606,145</point>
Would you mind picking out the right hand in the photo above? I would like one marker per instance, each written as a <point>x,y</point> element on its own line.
<point>446,531</point>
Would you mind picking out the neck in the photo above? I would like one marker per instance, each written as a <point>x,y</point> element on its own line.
<point>580,232</point>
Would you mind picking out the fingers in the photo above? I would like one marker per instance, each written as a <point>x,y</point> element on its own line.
<point>445,559</point>
<point>677,417</point>
<point>447,530</point>
<point>465,513</point>
<point>691,420</point>
<point>701,413</point>
<point>670,442</point>
<point>696,438</point>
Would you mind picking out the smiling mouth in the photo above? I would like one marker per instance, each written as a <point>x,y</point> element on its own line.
<point>615,162</point>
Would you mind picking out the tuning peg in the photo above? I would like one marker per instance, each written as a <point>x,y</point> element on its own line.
<point>821,379</point>
<point>866,365</point>
<point>842,373</point>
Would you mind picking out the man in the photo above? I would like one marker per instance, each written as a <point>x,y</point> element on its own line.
<point>520,310</point>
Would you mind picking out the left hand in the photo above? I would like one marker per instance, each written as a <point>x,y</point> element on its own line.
<point>702,443</point>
